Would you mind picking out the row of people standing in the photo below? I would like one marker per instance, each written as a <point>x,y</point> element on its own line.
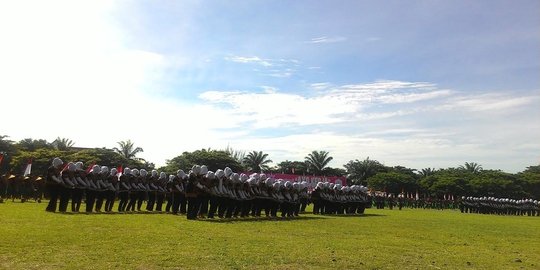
<point>101,186</point>
<point>335,199</point>
<point>24,188</point>
<point>499,206</point>
<point>227,194</point>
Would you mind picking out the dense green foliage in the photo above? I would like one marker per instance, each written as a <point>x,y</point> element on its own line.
<point>214,159</point>
<point>317,161</point>
<point>257,161</point>
<point>381,239</point>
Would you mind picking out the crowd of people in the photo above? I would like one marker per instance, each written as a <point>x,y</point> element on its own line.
<point>201,193</point>
<point>499,206</point>
<point>329,198</point>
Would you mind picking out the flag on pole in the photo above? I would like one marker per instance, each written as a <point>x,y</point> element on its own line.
<point>417,196</point>
<point>28,169</point>
<point>1,158</point>
<point>292,170</point>
<point>119,170</point>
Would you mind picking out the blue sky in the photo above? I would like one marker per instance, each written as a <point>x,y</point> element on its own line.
<point>412,83</point>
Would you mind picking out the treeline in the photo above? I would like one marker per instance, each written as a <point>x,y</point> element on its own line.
<point>469,179</point>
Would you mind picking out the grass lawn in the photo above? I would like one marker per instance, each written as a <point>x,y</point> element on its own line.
<point>31,238</point>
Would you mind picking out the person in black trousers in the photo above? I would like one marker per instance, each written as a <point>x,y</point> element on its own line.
<point>54,183</point>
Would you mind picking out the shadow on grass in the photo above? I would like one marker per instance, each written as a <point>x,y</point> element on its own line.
<point>261,219</point>
<point>358,216</point>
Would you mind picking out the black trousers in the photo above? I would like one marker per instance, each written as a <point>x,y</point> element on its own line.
<point>54,194</point>
<point>214,201</point>
<point>193,207</point>
<point>76,199</point>
<point>124,197</point>
<point>176,197</point>
<point>170,200</point>
<point>100,196</point>
<point>151,200</point>
<point>141,196</point>
<point>90,200</point>
<point>133,195</point>
<point>65,194</point>
<point>159,201</point>
<point>109,202</point>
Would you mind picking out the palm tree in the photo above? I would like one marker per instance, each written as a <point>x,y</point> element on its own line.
<point>62,144</point>
<point>238,155</point>
<point>128,150</point>
<point>472,167</point>
<point>317,161</point>
<point>360,171</point>
<point>257,161</point>
<point>426,172</point>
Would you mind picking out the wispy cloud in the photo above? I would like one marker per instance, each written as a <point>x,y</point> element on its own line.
<point>249,59</point>
<point>325,39</point>
<point>329,105</point>
<point>320,86</point>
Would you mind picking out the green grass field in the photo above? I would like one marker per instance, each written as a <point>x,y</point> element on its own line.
<point>31,238</point>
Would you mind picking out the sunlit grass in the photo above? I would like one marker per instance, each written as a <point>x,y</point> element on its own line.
<point>31,238</point>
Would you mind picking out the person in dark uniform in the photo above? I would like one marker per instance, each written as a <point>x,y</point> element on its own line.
<point>80,187</point>
<point>152,190</point>
<point>124,186</point>
<point>143,189</point>
<point>177,190</point>
<point>192,193</point>
<point>53,183</point>
<point>160,195</point>
<point>93,188</point>
<point>111,181</point>
<point>204,196</point>
<point>101,188</point>
<point>134,190</point>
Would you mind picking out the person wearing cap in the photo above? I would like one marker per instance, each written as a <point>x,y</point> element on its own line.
<point>92,182</point>
<point>80,183</point>
<point>124,186</point>
<point>111,183</point>
<point>176,191</point>
<point>101,188</point>
<point>152,190</point>
<point>68,177</point>
<point>53,183</point>
<point>133,191</point>
<point>161,191</point>
<point>142,194</point>
<point>192,192</point>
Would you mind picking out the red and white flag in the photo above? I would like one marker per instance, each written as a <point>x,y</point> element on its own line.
<point>1,158</point>
<point>28,169</point>
<point>90,168</point>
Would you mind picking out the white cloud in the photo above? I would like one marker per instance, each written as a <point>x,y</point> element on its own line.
<point>320,86</point>
<point>249,59</point>
<point>332,106</point>
<point>325,39</point>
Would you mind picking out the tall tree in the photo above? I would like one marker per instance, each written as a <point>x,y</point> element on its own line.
<point>425,172</point>
<point>472,167</point>
<point>62,144</point>
<point>292,167</point>
<point>360,171</point>
<point>317,161</point>
<point>29,144</point>
<point>236,154</point>
<point>214,159</point>
<point>257,161</point>
<point>128,149</point>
